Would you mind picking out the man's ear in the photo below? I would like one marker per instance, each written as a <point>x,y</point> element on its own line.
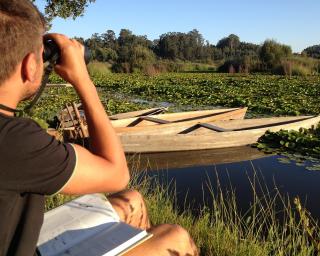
<point>29,68</point>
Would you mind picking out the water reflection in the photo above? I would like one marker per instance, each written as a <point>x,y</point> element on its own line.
<point>170,160</point>
<point>272,172</point>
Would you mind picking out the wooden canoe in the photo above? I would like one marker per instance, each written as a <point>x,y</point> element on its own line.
<point>172,123</point>
<point>222,134</point>
<point>169,122</point>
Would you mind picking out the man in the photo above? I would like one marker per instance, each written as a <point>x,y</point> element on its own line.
<point>34,164</point>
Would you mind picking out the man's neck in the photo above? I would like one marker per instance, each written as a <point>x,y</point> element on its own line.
<point>9,97</point>
<point>7,112</point>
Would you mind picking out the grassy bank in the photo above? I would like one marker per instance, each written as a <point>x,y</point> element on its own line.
<point>223,230</point>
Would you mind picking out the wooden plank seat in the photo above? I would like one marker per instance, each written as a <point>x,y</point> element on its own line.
<point>148,118</point>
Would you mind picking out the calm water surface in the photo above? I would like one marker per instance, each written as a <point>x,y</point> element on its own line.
<point>272,172</point>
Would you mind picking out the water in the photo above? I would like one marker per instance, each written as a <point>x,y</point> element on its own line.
<point>192,181</point>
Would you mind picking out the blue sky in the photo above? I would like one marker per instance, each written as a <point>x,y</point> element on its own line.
<point>292,22</point>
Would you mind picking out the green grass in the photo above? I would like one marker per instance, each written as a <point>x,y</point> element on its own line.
<point>223,230</point>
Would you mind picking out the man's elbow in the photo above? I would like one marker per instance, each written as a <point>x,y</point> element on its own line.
<point>124,178</point>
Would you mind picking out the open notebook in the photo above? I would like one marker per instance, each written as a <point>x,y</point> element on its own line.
<point>87,226</point>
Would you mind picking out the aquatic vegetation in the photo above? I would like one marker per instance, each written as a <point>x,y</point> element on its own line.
<point>304,143</point>
<point>264,94</point>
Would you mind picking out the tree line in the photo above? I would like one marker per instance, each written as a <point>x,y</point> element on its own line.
<point>134,53</point>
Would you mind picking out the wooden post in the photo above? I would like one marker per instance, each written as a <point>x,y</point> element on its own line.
<point>76,133</point>
<point>82,127</point>
<point>71,116</point>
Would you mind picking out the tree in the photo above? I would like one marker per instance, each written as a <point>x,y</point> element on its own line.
<point>184,46</point>
<point>133,59</point>
<point>232,42</point>
<point>105,54</point>
<point>80,39</point>
<point>312,51</point>
<point>109,39</point>
<point>140,58</point>
<point>272,53</point>
<point>65,9</point>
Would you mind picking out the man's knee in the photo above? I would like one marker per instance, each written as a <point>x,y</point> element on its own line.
<point>128,198</point>
<point>134,196</point>
<point>171,232</point>
<point>127,195</point>
<point>175,238</point>
<point>178,232</point>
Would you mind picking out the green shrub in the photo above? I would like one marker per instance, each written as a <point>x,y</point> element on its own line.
<point>96,68</point>
<point>137,61</point>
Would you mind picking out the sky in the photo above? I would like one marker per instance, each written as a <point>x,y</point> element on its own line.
<point>292,22</point>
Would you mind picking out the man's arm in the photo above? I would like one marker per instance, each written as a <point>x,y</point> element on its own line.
<point>104,168</point>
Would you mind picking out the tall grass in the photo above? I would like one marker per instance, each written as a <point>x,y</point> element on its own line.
<point>303,66</point>
<point>270,227</point>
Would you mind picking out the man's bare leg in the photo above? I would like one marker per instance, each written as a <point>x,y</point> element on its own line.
<point>167,240</point>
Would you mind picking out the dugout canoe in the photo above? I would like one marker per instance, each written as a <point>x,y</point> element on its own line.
<point>172,123</point>
<point>169,122</point>
<point>214,135</point>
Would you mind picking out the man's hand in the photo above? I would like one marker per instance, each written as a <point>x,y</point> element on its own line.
<point>72,67</point>
<point>103,168</point>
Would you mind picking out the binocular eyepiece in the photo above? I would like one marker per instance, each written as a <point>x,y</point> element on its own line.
<point>52,52</point>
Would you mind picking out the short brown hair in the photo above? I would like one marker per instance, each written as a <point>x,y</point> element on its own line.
<point>21,30</point>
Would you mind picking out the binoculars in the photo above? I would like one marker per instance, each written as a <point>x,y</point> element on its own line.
<point>52,52</point>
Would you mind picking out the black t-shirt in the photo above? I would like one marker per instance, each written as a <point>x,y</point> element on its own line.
<point>32,164</point>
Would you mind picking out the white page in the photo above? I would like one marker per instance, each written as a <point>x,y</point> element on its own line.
<point>74,222</point>
<point>108,242</point>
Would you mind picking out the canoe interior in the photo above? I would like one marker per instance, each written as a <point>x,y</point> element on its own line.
<point>170,117</point>
<point>246,124</point>
<point>175,127</point>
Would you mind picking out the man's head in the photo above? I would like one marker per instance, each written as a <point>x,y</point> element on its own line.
<point>21,29</point>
